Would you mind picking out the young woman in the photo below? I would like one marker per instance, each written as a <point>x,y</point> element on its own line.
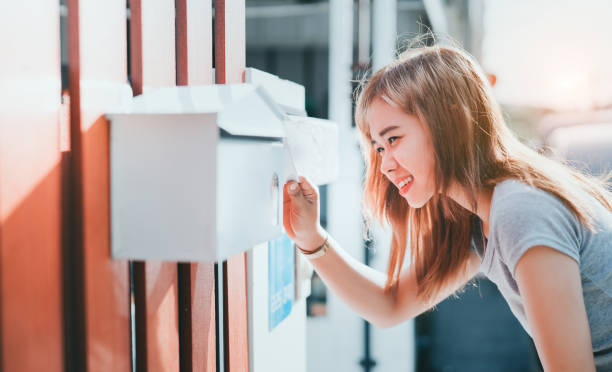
<point>450,178</point>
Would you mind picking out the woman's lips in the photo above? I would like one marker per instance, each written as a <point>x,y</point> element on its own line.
<point>404,189</point>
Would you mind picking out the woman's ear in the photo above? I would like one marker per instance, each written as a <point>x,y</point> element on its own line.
<point>492,79</point>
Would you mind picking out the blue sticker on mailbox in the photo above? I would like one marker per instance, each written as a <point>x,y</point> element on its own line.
<point>281,263</point>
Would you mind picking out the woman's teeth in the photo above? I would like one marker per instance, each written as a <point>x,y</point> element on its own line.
<point>405,182</point>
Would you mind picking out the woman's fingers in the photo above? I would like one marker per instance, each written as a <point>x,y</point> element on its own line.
<point>295,191</point>
<point>305,183</point>
<point>300,208</point>
<point>309,191</point>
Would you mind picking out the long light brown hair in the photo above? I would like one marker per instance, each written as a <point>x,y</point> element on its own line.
<point>473,147</point>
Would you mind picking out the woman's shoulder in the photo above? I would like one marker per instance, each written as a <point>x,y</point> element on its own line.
<point>515,202</point>
<point>515,194</point>
<point>523,216</point>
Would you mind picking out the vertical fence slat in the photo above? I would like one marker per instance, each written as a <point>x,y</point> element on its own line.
<point>203,317</point>
<point>197,281</point>
<point>230,43</point>
<point>153,65</point>
<point>230,55</point>
<point>98,65</point>
<point>31,336</point>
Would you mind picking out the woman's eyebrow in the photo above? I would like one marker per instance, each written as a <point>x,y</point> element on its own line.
<point>384,131</point>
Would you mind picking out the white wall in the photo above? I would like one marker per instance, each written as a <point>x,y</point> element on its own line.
<point>284,348</point>
<point>392,348</point>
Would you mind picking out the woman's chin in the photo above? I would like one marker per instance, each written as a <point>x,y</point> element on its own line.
<point>415,203</point>
<point>416,206</point>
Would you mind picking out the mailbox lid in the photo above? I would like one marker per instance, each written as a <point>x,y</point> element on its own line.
<point>240,109</point>
<point>290,96</point>
<point>313,144</point>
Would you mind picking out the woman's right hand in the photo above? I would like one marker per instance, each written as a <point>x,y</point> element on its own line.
<point>301,214</point>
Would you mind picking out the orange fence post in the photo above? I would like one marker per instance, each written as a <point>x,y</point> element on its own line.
<point>196,281</point>
<point>31,334</point>
<point>152,37</point>
<point>97,35</point>
<point>230,56</point>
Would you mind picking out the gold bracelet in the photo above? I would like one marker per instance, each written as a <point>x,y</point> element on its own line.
<point>320,251</point>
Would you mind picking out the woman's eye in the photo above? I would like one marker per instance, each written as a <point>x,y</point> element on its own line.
<point>392,139</point>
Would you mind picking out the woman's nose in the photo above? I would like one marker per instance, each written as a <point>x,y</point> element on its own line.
<point>388,163</point>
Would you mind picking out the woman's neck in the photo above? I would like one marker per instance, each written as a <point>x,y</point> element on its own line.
<point>483,203</point>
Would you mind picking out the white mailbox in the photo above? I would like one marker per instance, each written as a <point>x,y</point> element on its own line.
<point>197,172</point>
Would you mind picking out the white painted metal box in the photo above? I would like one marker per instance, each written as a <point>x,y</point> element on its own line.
<point>197,172</point>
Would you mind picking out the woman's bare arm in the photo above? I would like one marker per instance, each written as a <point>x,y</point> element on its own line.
<point>408,306</point>
<point>550,284</point>
<point>361,287</point>
<point>358,285</point>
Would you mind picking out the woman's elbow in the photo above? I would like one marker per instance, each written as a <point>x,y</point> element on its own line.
<point>385,324</point>
<point>389,321</point>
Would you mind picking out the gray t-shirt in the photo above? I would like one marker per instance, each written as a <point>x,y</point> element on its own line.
<point>523,216</point>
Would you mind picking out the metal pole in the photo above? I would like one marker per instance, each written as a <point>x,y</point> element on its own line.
<point>384,32</point>
<point>367,362</point>
<point>219,316</point>
<point>364,32</point>
<point>340,61</point>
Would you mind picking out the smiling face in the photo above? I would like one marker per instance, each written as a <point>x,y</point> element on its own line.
<point>405,149</point>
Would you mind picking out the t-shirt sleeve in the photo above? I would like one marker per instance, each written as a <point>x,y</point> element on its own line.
<point>530,218</point>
